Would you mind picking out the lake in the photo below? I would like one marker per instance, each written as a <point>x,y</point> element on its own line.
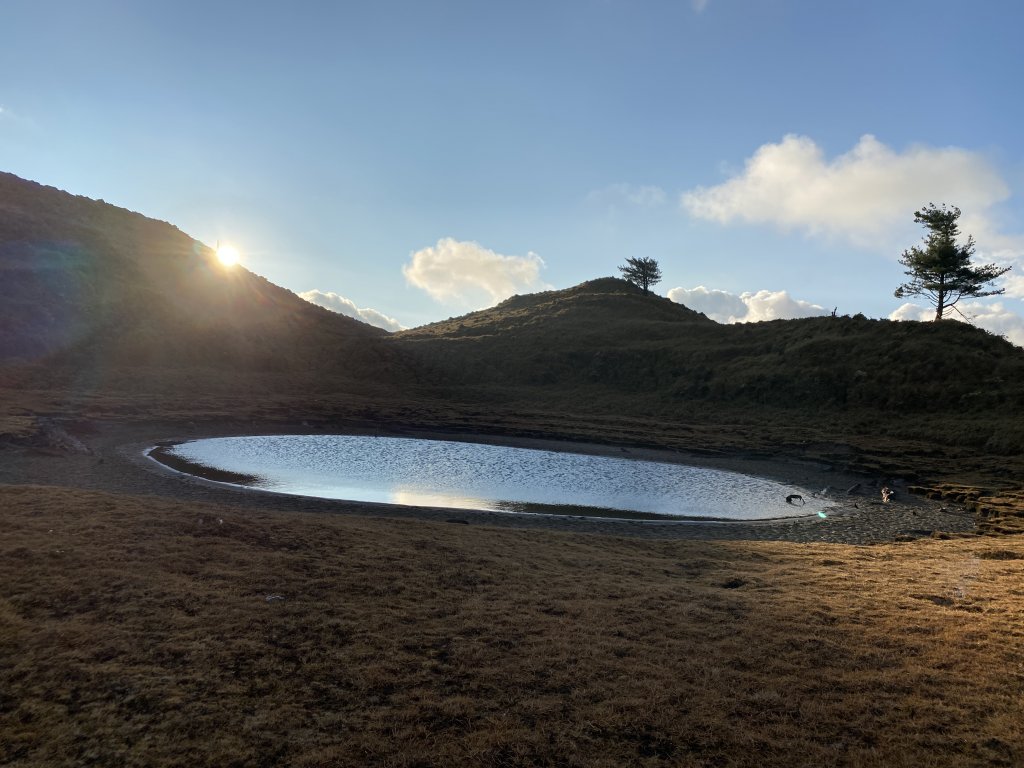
<point>445,473</point>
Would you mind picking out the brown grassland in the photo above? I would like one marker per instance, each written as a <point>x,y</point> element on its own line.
<point>142,631</point>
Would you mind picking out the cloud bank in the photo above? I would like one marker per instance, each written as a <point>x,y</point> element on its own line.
<point>464,272</point>
<point>750,307</point>
<point>866,196</point>
<point>994,317</point>
<point>341,305</point>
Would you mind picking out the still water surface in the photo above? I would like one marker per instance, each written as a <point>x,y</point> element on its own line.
<point>440,473</point>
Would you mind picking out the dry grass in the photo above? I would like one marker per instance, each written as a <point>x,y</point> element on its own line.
<point>998,512</point>
<point>135,631</point>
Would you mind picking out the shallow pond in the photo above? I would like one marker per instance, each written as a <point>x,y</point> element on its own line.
<point>440,473</point>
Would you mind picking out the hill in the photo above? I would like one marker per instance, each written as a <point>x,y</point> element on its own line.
<point>621,308</point>
<point>607,334</point>
<point>93,293</point>
<point>604,348</point>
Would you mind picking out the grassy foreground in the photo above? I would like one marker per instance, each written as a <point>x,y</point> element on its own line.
<point>137,631</point>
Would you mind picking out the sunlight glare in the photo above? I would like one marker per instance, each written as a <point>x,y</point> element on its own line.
<point>227,254</point>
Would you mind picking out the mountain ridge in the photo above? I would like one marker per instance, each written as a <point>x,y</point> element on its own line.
<point>76,270</point>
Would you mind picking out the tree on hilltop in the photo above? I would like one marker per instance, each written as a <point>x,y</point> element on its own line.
<point>942,269</point>
<point>641,272</point>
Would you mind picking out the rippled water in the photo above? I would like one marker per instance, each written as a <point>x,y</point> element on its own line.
<point>490,477</point>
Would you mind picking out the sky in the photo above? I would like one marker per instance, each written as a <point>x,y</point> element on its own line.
<point>408,161</point>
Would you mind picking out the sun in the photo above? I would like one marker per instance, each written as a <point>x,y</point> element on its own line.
<point>228,255</point>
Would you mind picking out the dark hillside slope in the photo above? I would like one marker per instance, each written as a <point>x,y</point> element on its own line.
<point>89,287</point>
<point>842,362</point>
<point>603,346</point>
<point>608,310</point>
<point>590,333</point>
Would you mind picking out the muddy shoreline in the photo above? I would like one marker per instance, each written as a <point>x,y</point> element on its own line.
<point>114,460</point>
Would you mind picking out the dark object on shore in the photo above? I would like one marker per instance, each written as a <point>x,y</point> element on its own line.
<point>456,520</point>
<point>793,497</point>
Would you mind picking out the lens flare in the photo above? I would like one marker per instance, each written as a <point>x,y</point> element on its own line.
<point>227,254</point>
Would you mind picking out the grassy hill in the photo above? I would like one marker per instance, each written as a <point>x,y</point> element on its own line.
<point>918,393</point>
<point>605,335</point>
<point>89,291</point>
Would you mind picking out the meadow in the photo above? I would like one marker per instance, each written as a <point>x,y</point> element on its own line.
<point>143,631</point>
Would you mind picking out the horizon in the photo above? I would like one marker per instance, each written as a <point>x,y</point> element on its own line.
<point>412,164</point>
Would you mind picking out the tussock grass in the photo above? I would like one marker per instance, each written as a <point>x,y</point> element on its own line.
<point>135,631</point>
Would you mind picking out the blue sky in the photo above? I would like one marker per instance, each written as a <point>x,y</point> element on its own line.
<point>423,159</point>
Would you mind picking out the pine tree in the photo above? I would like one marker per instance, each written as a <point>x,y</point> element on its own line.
<point>942,269</point>
<point>641,272</point>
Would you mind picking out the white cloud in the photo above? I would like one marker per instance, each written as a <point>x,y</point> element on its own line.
<point>464,272</point>
<point>336,303</point>
<point>912,312</point>
<point>1014,285</point>
<point>994,317</point>
<point>866,196</point>
<point>997,319</point>
<point>699,5</point>
<point>720,306</point>
<point>749,307</point>
<point>614,195</point>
